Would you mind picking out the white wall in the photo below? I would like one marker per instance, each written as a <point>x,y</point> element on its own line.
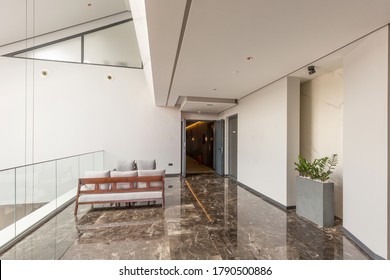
<point>366,140</point>
<point>322,102</point>
<point>293,112</point>
<point>76,110</point>
<point>263,146</point>
<point>12,112</point>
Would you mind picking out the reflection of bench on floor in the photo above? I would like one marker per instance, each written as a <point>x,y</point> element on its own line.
<point>119,189</point>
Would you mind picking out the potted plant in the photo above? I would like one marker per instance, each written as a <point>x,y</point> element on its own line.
<point>314,194</point>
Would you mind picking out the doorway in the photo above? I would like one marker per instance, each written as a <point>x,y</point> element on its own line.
<point>202,147</point>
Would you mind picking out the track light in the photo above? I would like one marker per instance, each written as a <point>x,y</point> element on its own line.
<point>311,70</point>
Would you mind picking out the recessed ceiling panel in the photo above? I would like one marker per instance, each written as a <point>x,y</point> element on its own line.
<point>278,36</point>
<point>206,106</point>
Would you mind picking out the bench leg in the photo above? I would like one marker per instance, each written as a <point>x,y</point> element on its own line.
<point>76,208</point>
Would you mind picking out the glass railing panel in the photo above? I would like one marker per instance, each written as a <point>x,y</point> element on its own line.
<point>85,164</point>
<point>24,192</point>
<point>30,193</point>
<point>98,160</point>
<point>7,206</point>
<point>44,191</point>
<point>36,185</point>
<point>67,174</point>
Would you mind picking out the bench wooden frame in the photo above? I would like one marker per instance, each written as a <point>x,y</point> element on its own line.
<point>112,182</point>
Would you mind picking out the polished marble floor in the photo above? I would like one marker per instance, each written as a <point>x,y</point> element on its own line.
<point>193,167</point>
<point>206,217</point>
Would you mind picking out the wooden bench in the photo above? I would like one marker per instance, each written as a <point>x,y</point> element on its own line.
<point>147,188</point>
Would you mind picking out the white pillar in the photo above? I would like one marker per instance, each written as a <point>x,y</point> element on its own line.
<point>366,143</point>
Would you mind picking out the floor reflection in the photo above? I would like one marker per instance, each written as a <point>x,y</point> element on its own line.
<point>206,217</point>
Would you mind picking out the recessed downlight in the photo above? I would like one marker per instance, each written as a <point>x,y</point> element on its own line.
<point>249,58</point>
<point>44,73</point>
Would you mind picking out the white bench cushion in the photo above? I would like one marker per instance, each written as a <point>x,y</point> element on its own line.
<point>107,197</point>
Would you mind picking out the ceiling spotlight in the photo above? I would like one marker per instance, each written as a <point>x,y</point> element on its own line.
<point>311,69</point>
<point>249,58</point>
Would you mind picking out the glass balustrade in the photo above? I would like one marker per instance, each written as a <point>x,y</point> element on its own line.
<point>30,193</point>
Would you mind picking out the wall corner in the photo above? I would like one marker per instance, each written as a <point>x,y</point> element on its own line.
<point>293,113</point>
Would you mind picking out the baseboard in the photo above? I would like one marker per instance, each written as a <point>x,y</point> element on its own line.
<point>361,245</point>
<point>172,175</point>
<point>264,197</point>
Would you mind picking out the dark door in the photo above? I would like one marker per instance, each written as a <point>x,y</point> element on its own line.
<point>183,148</point>
<point>219,147</point>
<point>233,131</point>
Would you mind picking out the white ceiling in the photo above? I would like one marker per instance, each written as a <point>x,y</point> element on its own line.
<point>50,15</point>
<point>205,54</point>
<point>282,36</point>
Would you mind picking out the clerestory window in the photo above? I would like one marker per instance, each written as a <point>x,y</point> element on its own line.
<point>113,45</point>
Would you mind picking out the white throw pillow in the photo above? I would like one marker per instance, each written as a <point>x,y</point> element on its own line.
<point>124,174</point>
<point>157,172</point>
<point>146,164</point>
<point>125,165</point>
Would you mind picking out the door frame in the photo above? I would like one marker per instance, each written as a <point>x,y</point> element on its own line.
<point>184,151</point>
